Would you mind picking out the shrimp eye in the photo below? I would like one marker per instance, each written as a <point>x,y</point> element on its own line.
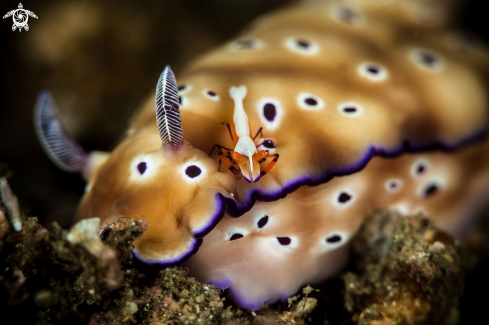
<point>268,144</point>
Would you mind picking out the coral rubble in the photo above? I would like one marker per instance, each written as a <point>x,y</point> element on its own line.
<point>406,271</point>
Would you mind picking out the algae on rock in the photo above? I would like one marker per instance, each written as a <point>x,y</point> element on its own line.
<point>406,271</point>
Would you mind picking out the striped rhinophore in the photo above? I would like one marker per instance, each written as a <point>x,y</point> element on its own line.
<point>168,109</point>
<point>60,147</point>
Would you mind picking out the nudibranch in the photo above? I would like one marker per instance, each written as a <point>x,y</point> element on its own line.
<point>337,90</point>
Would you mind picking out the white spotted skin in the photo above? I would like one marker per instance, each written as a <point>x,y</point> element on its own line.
<point>152,165</point>
<point>393,185</point>
<point>347,16</point>
<point>302,46</point>
<point>274,123</point>
<point>435,65</point>
<point>316,102</point>
<point>419,167</point>
<point>350,109</point>
<point>373,71</point>
<point>247,44</point>
<point>184,89</point>
<point>211,95</point>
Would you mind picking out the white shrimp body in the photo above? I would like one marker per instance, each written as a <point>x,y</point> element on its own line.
<point>245,145</point>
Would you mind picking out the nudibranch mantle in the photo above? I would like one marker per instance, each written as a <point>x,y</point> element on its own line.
<point>366,90</point>
<point>335,93</point>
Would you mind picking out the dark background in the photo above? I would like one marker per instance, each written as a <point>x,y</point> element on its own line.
<point>100,59</point>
